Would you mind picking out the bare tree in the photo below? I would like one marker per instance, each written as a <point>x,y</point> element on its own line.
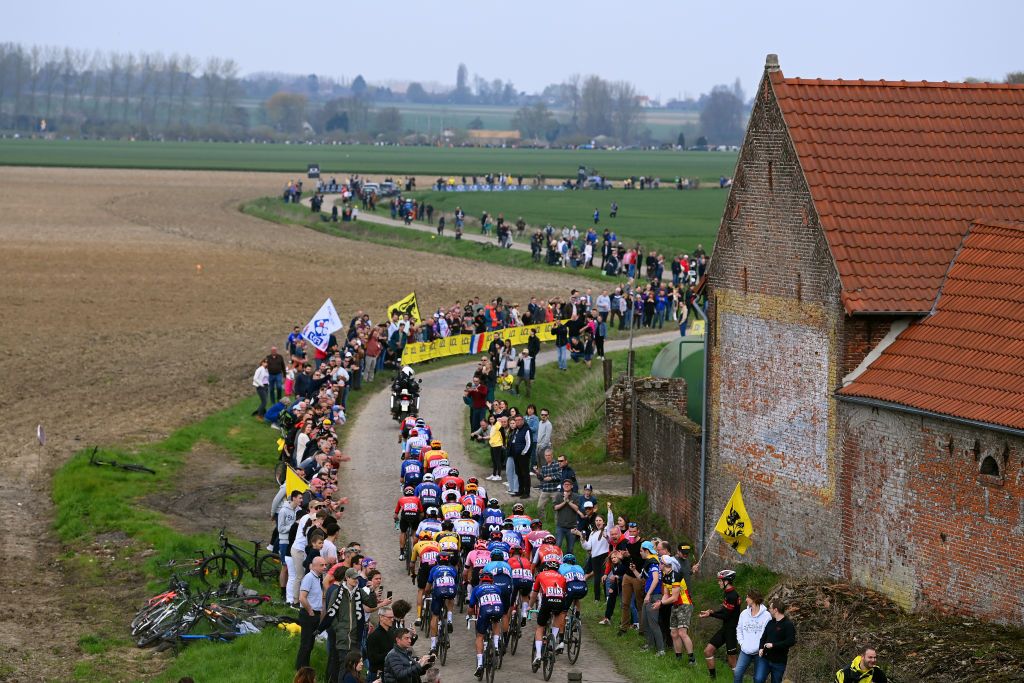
<point>35,58</point>
<point>147,75</point>
<point>596,107</point>
<point>571,92</point>
<point>211,86</point>
<point>67,77</point>
<point>189,64</point>
<point>229,87</point>
<point>625,112</point>
<point>50,75</point>
<point>114,66</point>
<point>131,65</point>
<point>171,72</point>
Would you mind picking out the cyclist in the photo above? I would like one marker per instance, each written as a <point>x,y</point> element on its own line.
<point>473,486</point>
<point>547,552</point>
<point>493,516</point>
<point>431,524</point>
<point>451,508</point>
<point>443,584</point>
<point>486,603</point>
<point>415,444</point>
<point>412,471</point>
<point>429,493</point>
<point>435,456</point>
<point>522,581</point>
<point>407,517</point>
<point>454,479</point>
<point>729,613</point>
<point>497,545</point>
<point>549,591</point>
<point>536,536</point>
<point>468,530</point>
<point>447,539</point>
<point>520,520</point>
<point>423,428</point>
<point>510,536</point>
<point>575,581</point>
<point>473,502</point>
<point>502,573</point>
<point>475,561</point>
<point>426,551</point>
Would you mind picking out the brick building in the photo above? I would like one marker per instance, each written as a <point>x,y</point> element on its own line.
<point>866,338</point>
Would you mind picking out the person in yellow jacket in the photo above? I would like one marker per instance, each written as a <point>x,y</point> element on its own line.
<point>863,669</point>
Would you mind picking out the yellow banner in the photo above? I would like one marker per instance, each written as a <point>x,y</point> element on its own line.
<point>406,305</point>
<point>417,352</point>
<point>734,524</point>
<point>293,482</point>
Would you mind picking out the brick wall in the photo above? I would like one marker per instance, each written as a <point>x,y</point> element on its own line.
<point>667,468</point>
<point>775,357</point>
<point>922,524</point>
<point>662,391</point>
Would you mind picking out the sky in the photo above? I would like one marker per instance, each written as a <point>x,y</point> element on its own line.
<point>666,48</point>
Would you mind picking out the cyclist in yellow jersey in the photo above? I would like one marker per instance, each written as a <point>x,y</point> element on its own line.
<point>447,540</point>
<point>426,552</point>
<point>451,508</point>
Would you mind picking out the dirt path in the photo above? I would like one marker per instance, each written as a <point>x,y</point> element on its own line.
<point>371,440</point>
<point>111,335</point>
<point>471,234</point>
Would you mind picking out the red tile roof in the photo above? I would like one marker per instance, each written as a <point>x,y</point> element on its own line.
<point>967,358</point>
<point>898,170</point>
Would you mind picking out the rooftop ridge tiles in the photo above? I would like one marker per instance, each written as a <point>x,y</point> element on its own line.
<point>779,79</point>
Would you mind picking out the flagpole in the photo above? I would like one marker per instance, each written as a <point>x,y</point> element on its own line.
<point>713,537</point>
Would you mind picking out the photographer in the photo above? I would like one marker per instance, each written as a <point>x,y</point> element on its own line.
<point>400,666</point>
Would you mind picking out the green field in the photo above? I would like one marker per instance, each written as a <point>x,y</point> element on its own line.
<point>665,220</point>
<point>366,159</point>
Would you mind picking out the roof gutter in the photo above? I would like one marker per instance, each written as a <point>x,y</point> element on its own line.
<point>889,405</point>
<point>703,430</point>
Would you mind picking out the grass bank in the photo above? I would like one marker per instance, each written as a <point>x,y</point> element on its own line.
<point>273,209</point>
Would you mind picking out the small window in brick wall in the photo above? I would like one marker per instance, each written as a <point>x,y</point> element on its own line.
<point>989,466</point>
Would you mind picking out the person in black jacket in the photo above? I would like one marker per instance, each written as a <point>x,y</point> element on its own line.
<point>380,642</point>
<point>561,342</point>
<point>399,664</point>
<point>779,635</point>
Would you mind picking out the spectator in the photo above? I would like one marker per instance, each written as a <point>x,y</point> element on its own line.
<point>550,476</point>
<point>497,443</point>
<point>526,372</point>
<point>748,632</point>
<point>380,641</point>
<point>778,637</point>
<point>399,664</point>
<point>520,444</point>
<point>596,543</point>
<point>652,578</point>
<point>863,669</point>
<point>275,369</point>
<point>311,603</point>
<point>342,615</point>
<point>261,380</point>
<point>306,674</point>
<point>565,472</point>
<point>681,608</point>
<point>544,431</point>
<point>353,671</point>
<point>567,514</point>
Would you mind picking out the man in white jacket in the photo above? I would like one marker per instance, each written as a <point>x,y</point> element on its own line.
<point>748,632</point>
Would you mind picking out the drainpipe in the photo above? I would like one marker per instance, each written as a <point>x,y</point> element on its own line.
<point>703,429</point>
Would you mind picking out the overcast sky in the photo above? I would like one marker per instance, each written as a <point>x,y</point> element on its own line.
<point>667,48</point>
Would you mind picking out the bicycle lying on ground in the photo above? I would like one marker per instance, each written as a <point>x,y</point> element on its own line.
<point>129,466</point>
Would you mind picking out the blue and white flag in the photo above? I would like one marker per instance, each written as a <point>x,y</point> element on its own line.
<point>319,329</point>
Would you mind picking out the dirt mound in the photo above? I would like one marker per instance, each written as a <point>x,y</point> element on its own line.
<point>834,621</point>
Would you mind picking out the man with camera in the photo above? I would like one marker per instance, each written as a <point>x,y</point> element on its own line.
<point>400,666</point>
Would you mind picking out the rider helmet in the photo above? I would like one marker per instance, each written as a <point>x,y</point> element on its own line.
<point>495,535</point>
<point>549,539</point>
<point>435,444</point>
<point>535,522</point>
<point>497,556</point>
<point>420,422</point>
<point>425,535</point>
<point>451,486</point>
<point>447,525</point>
<point>414,432</point>
<point>464,514</point>
<point>481,544</point>
<point>432,511</point>
<point>493,502</point>
<point>470,487</point>
<point>518,508</point>
<point>427,476</point>
<point>444,558</point>
<point>568,558</point>
<point>507,524</point>
<point>451,496</point>
<point>727,575</point>
<point>486,577</point>
<point>408,490</point>
<point>552,565</point>
<point>453,472</point>
<point>472,480</point>
<point>408,372</point>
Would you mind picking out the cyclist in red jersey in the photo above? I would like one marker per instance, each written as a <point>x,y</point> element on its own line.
<point>547,552</point>
<point>549,591</point>
<point>408,511</point>
<point>453,478</point>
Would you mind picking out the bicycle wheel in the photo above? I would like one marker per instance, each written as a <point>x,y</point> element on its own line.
<point>514,634</point>
<point>461,600</point>
<point>269,567</point>
<point>489,661</point>
<point>146,622</point>
<point>442,645</point>
<point>573,640</point>
<point>548,658</point>
<point>220,568</point>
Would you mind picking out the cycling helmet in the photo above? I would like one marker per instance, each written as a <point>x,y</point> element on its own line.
<point>471,487</point>
<point>408,372</point>
<point>408,490</point>
<point>495,535</point>
<point>518,508</point>
<point>497,556</point>
<point>472,480</point>
<point>481,544</point>
<point>435,444</point>
<point>493,502</point>
<point>453,472</point>
<point>486,577</point>
<point>420,422</point>
<point>535,522</point>
<point>427,476</point>
<point>444,558</point>
<point>425,535</point>
<point>569,559</point>
<point>447,525</point>
<point>550,539</point>
<point>507,524</point>
<point>727,575</point>
<point>414,432</point>
<point>551,564</point>
<point>451,485</point>
<point>451,496</point>
<point>432,511</point>
<point>464,514</point>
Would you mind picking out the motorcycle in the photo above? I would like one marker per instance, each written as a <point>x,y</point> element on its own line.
<point>405,399</point>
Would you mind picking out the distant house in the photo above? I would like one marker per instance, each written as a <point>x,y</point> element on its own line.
<point>493,137</point>
<point>866,339</point>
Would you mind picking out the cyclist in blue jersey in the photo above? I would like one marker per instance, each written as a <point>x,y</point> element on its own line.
<point>493,516</point>
<point>443,584</point>
<point>431,523</point>
<point>500,569</point>
<point>412,472</point>
<point>487,604</point>
<point>429,493</point>
<point>575,580</point>
<point>513,538</point>
<point>496,545</point>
